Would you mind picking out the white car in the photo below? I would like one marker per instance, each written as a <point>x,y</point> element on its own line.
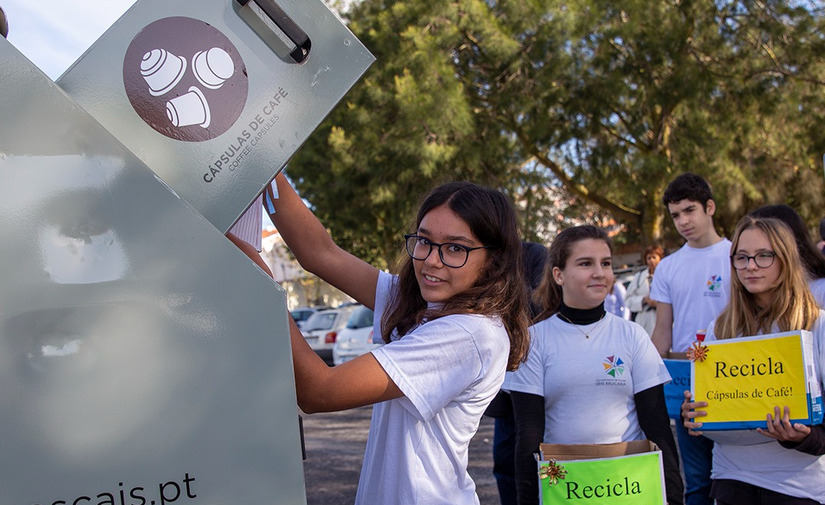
<point>322,327</point>
<point>356,338</point>
<point>301,314</point>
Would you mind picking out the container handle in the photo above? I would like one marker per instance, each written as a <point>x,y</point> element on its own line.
<point>288,26</point>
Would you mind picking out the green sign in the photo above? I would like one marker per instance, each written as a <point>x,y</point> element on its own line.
<point>632,480</point>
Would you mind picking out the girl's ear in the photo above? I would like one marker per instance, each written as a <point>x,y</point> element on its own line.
<point>558,276</point>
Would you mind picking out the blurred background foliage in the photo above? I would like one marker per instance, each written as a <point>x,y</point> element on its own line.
<point>581,110</point>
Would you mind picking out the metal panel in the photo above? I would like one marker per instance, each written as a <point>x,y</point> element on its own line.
<point>143,358</point>
<point>208,94</point>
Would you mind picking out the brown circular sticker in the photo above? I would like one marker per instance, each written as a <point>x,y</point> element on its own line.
<point>185,79</point>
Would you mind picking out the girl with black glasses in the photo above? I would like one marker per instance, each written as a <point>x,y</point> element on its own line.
<point>454,319</point>
<point>769,294</point>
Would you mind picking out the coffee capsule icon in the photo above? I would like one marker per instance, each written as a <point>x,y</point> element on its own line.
<point>162,70</point>
<point>212,67</point>
<point>189,109</point>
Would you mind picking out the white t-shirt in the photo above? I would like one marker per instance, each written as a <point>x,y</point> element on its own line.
<point>818,289</point>
<point>638,289</point>
<point>768,464</point>
<point>696,283</point>
<point>615,301</point>
<point>588,383</point>
<point>449,370</point>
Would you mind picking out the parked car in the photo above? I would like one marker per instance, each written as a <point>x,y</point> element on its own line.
<point>322,327</point>
<point>301,314</point>
<point>356,338</point>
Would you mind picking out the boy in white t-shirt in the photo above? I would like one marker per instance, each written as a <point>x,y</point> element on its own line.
<point>691,288</point>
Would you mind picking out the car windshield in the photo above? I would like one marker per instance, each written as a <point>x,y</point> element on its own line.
<point>301,315</point>
<point>361,318</point>
<point>320,321</point>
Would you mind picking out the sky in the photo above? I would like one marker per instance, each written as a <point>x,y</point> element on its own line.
<point>55,33</point>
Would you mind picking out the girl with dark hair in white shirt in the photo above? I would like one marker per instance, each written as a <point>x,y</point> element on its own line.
<point>590,377</point>
<point>454,319</point>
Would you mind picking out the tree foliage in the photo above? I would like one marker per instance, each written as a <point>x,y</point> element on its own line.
<point>609,99</point>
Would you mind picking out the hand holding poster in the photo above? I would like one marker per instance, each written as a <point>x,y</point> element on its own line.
<point>743,379</point>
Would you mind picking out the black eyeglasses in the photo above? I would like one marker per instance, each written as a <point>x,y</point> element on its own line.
<point>762,260</point>
<point>451,255</point>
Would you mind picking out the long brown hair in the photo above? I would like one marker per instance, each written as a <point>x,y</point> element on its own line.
<point>812,259</point>
<point>793,307</point>
<point>500,289</point>
<point>549,294</point>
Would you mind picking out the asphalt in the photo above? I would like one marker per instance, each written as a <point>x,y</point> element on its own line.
<point>335,450</point>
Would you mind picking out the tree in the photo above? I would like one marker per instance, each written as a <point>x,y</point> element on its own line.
<point>407,126</point>
<point>630,93</point>
<point>608,98</point>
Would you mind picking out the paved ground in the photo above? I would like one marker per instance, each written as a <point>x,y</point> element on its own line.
<point>335,448</point>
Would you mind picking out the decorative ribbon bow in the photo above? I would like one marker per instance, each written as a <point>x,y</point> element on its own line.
<point>698,352</point>
<point>553,471</point>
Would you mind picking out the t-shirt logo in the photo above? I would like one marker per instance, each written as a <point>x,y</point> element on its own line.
<point>715,283</point>
<point>613,366</point>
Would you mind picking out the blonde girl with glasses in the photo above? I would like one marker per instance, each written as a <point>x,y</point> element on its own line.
<point>769,294</point>
<point>454,319</point>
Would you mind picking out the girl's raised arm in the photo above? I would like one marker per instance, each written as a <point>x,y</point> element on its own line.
<point>315,250</point>
<point>320,388</point>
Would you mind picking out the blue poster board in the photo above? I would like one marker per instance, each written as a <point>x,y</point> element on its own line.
<point>675,390</point>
